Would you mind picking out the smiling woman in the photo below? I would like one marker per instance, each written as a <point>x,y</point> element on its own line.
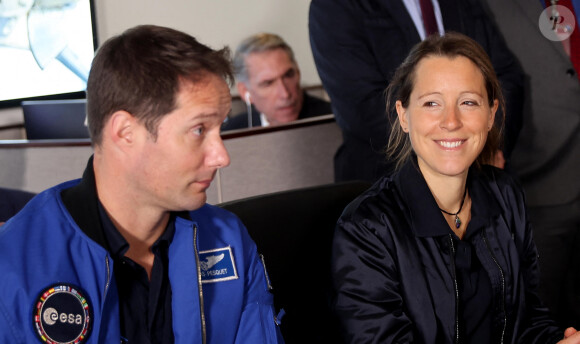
<point>441,251</point>
<point>448,116</point>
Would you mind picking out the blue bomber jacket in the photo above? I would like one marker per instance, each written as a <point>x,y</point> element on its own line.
<point>57,283</point>
<point>393,263</point>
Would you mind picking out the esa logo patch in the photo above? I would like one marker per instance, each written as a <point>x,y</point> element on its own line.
<point>217,265</point>
<point>62,315</point>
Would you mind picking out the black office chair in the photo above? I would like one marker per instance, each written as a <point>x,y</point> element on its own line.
<point>293,230</point>
<point>11,201</point>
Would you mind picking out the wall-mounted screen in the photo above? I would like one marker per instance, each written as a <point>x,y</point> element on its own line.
<point>46,49</point>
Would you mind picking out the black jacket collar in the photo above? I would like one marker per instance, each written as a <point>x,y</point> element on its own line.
<point>81,202</point>
<point>426,218</point>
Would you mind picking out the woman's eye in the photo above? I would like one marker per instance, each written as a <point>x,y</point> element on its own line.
<point>430,104</point>
<point>198,131</point>
<point>470,103</point>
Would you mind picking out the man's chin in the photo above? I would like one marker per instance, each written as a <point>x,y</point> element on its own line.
<point>287,117</point>
<point>194,202</point>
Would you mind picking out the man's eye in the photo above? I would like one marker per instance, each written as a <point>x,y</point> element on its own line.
<point>266,83</point>
<point>291,73</point>
<point>198,131</point>
<point>430,104</point>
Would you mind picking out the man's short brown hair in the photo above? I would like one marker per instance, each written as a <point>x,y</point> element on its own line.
<point>141,71</point>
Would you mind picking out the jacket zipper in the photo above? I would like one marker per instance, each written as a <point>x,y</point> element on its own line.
<point>502,284</point>
<point>108,283</point>
<point>456,288</point>
<point>198,268</point>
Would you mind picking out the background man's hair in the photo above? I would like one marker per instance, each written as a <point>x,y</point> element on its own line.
<point>257,43</point>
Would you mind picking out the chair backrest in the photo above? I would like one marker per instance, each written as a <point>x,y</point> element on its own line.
<point>11,201</point>
<point>293,230</point>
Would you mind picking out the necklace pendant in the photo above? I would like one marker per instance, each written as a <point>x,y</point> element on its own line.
<point>457,222</point>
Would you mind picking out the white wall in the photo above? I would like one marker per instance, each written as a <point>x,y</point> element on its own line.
<point>216,22</point>
<point>213,22</point>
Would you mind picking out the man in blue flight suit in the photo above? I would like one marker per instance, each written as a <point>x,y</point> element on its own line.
<point>131,252</point>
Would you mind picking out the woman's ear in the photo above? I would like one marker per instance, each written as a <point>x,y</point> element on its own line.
<point>402,115</point>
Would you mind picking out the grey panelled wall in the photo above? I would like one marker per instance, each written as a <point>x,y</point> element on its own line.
<point>35,168</point>
<point>262,162</point>
<point>279,160</point>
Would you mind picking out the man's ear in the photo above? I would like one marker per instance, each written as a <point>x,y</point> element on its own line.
<point>402,115</point>
<point>121,127</point>
<point>244,92</point>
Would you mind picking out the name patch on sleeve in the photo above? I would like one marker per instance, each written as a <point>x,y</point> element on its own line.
<point>217,265</point>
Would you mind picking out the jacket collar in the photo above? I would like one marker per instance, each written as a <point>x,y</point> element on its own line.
<point>82,203</point>
<point>453,17</point>
<point>398,13</point>
<point>426,218</point>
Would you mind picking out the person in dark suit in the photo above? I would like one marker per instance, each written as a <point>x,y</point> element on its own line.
<point>268,79</point>
<point>11,201</point>
<point>357,45</point>
<point>547,155</point>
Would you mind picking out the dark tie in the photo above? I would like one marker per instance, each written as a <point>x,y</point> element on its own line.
<point>429,20</point>
<point>574,38</point>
